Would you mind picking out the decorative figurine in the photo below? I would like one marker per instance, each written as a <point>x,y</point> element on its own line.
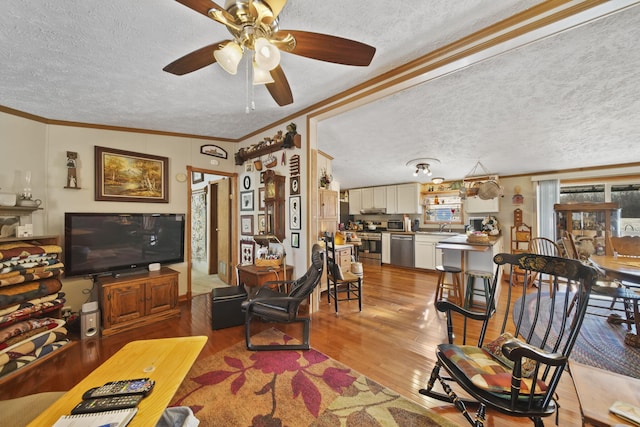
<point>72,163</point>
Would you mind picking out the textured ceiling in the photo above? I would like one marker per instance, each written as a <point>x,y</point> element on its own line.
<point>570,100</point>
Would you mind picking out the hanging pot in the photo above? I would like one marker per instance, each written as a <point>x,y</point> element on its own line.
<point>257,164</point>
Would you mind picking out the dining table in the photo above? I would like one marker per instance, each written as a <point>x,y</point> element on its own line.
<point>625,269</point>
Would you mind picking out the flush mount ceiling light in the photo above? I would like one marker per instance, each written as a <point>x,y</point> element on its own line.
<point>437,180</point>
<point>423,165</point>
<point>254,26</point>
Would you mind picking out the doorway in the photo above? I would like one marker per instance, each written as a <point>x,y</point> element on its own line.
<point>210,227</point>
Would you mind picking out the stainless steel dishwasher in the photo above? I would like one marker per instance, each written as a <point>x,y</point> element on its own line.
<point>402,247</point>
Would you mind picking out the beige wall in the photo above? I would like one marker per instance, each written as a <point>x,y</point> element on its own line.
<point>31,145</point>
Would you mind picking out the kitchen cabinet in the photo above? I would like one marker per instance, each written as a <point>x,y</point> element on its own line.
<point>129,303</point>
<point>408,198</point>
<point>355,201</point>
<point>474,204</point>
<point>386,248</point>
<point>426,254</point>
<point>328,209</point>
<point>391,199</point>
<point>379,197</point>
<point>367,198</point>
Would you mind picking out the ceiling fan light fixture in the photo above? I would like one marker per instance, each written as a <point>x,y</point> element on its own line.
<point>267,55</point>
<point>229,57</point>
<point>260,76</point>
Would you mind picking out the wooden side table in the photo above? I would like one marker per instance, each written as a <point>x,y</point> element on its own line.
<point>252,276</point>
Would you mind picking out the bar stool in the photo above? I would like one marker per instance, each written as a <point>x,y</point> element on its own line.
<point>472,291</point>
<point>454,287</point>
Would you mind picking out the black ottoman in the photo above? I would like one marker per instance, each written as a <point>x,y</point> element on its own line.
<point>225,307</point>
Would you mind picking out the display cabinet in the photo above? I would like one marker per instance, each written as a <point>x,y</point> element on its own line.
<point>596,221</point>
<point>442,207</point>
<point>274,204</point>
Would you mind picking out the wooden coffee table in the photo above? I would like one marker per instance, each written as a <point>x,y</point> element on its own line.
<point>597,389</point>
<point>166,360</point>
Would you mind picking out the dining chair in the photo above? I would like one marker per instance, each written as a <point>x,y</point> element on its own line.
<point>341,285</point>
<point>547,247</point>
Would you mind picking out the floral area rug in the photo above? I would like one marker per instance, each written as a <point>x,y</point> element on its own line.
<point>237,387</point>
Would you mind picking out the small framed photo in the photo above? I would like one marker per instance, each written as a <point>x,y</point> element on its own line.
<point>262,224</point>
<point>246,225</point>
<point>295,214</point>
<point>248,167</point>
<point>261,198</point>
<point>246,200</point>
<point>294,184</point>
<point>197,177</point>
<point>247,248</point>
<point>262,177</point>
<point>295,240</point>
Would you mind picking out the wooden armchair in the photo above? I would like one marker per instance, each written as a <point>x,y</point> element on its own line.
<point>518,372</point>
<point>282,306</point>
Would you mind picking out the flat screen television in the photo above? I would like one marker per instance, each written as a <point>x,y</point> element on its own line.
<point>116,243</point>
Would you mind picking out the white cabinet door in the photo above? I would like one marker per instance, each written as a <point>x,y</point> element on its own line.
<point>409,198</point>
<point>355,201</point>
<point>367,198</point>
<point>425,255</point>
<point>475,204</point>
<point>391,199</point>
<point>379,197</point>
<point>386,248</point>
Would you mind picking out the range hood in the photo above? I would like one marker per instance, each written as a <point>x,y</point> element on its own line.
<point>373,211</point>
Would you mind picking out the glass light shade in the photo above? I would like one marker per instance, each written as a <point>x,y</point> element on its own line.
<point>260,76</point>
<point>267,55</point>
<point>229,57</point>
<point>437,180</point>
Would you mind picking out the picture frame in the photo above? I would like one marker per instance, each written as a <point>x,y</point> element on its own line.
<point>247,249</point>
<point>262,177</point>
<point>126,176</point>
<point>246,182</point>
<point>246,225</point>
<point>295,240</point>
<point>246,200</point>
<point>262,223</point>
<point>294,185</point>
<point>295,213</point>
<point>197,177</point>
<point>261,198</point>
<point>213,150</point>
<point>248,167</point>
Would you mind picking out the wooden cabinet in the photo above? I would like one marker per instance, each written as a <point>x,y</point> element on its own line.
<point>596,221</point>
<point>474,204</point>
<point>139,300</point>
<point>408,198</point>
<point>425,253</point>
<point>328,208</point>
<point>343,256</point>
<point>391,199</point>
<point>355,201</point>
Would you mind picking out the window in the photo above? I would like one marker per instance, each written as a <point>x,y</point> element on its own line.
<point>582,194</point>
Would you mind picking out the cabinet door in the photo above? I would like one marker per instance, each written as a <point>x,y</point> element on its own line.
<point>386,248</point>
<point>355,201</point>
<point>379,197</point>
<point>475,204</point>
<point>408,199</point>
<point>344,259</point>
<point>391,199</point>
<point>124,303</point>
<point>328,204</point>
<point>425,255</point>
<point>161,294</point>
<point>367,198</point>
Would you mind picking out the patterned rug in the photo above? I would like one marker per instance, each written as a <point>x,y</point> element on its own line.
<point>237,387</point>
<point>600,343</point>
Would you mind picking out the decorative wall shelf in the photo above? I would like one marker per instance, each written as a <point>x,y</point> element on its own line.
<point>18,210</point>
<point>263,148</point>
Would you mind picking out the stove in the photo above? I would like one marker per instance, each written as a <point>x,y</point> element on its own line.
<point>371,248</point>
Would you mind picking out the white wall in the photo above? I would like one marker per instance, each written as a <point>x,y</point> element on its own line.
<point>31,145</point>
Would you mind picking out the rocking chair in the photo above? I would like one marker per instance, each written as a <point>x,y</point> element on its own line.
<point>517,373</point>
<point>283,307</point>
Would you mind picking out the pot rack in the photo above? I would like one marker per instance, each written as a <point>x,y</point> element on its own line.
<point>477,176</point>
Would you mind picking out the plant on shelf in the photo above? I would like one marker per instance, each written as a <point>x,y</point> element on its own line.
<point>325,178</point>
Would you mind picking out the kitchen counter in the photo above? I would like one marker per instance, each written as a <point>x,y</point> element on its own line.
<point>461,239</point>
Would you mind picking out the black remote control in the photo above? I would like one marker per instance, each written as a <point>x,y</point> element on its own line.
<point>102,404</point>
<point>142,386</point>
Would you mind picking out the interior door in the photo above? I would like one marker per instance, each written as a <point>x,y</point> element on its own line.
<point>221,229</point>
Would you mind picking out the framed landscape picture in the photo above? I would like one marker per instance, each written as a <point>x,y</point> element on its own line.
<point>125,176</point>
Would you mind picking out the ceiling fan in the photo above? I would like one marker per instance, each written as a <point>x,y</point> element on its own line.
<point>254,26</point>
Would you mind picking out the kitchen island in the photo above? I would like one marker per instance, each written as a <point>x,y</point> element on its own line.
<point>457,252</point>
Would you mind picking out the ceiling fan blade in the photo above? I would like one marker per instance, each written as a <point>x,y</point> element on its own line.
<point>195,60</point>
<point>280,89</point>
<point>328,48</point>
<point>204,6</point>
<point>276,7</point>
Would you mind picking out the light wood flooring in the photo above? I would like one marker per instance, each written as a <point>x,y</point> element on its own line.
<point>391,341</point>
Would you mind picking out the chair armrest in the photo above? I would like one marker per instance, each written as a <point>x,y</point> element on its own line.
<point>445,306</point>
<point>515,349</point>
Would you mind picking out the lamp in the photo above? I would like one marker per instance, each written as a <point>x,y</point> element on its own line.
<point>437,180</point>
<point>423,165</point>
<point>229,57</point>
<point>261,76</point>
<point>267,55</point>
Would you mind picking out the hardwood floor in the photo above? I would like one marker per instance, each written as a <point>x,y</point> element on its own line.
<point>391,341</point>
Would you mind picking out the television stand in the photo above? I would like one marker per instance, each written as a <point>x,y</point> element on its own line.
<point>130,302</point>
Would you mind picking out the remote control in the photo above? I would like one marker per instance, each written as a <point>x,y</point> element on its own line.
<point>102,404</point>
<point>142,386</point>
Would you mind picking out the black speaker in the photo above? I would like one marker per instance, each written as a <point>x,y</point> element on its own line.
<point>90,320</point>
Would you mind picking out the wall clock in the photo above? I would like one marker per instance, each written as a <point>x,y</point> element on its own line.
<point>246,182</point>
